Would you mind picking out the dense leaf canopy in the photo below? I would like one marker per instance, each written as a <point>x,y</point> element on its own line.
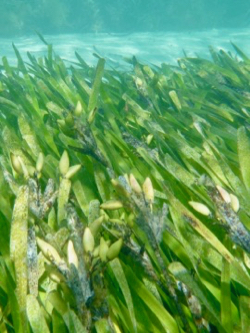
<point>125,196</point>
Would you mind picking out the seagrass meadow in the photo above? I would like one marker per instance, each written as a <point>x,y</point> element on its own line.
<point>125,195</point>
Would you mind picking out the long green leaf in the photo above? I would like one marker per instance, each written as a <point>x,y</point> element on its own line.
<point>35,316</point>
<point>18,249</point>
<point>244,155</point>
<point>244,310</point>
<point>96,85</point>
<point>152,303</point>
<point>123,284</point>
<point>226,311</point>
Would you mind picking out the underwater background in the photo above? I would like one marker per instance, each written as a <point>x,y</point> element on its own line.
<point>19,17</point>
<point>154,31</point>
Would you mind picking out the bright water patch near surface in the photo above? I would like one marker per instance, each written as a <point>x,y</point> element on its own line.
<point>152,48</point>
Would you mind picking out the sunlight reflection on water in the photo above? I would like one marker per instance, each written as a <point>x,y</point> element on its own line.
<point>149,47</point>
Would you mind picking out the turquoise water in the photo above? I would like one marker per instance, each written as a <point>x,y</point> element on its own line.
<point>154,31</point>
<point>22,17</point>
<point>149,47</point>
